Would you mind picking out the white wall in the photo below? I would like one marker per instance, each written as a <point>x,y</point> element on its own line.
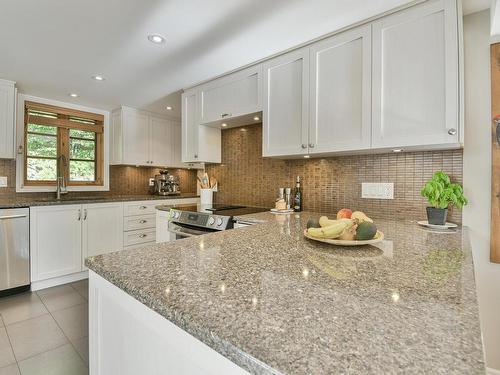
<point>477,177</point>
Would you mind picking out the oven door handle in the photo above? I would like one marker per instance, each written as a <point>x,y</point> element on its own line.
<point>184,232</point>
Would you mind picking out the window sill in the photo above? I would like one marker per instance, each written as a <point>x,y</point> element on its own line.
<point>45,189</point>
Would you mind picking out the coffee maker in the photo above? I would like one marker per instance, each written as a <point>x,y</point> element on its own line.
<point>166,183</point>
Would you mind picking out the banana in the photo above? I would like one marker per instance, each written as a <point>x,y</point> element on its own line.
<point>325,222</point>
<point>331,231</point>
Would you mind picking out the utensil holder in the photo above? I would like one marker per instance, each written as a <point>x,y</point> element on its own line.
<point>206,197</point>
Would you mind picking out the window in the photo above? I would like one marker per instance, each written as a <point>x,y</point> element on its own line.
<point>61,142</point>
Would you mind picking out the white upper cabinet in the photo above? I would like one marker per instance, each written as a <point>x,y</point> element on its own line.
<point>142,138</point>
<point>7,126</point>
<point>176,130</point>
<point>416,77</point>
<point>190,124</point>
<point>340,95</point>
<point>231,96</point>
<point>135,127</point>
<point>200,143</point>
<point>160,150</point>
<point>286,104</point>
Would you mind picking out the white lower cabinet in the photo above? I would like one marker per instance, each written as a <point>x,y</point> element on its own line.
<point>55,241</point>
<point>102,229</point>
<point>61,237</point>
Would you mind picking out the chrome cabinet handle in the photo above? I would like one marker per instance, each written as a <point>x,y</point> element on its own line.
<point>142,207</point>
<point>143,235</point>
<point>196,156</point>
<point>85,214</point>
<point>79,215</point>
<point>311,145</point>
<point>225,115</point>
<point>304,145</point>
<point>142,221</point>
<point>452,131</point>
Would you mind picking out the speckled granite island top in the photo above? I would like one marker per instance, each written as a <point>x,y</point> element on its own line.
<point>273,301</point>
<point>32,202</point>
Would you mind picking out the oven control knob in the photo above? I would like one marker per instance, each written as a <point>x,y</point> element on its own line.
<point>211,220</point>
<point>176,214</point>
<point>219,222</point>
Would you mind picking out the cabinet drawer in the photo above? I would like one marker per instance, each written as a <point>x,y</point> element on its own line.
<point>137,237</point>
<point>138,246</point>
<point>140,208</point>
<point>139,222</point>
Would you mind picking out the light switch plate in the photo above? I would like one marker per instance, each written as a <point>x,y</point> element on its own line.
<point>3,181</point>
<point>374,190</point>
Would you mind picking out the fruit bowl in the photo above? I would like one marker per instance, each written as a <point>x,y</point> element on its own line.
<point>379,237</point>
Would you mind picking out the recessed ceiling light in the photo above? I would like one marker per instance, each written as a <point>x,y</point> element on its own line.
<point>256,118</point>
<point>156,38</point>
<point>169,108</point>
<point>98,77</point>
<point>73,95</point>
<point>306,156</point>
<point>397,150</point>
<point>223,124</point>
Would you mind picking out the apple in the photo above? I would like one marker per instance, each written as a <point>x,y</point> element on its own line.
<point>344,213</point>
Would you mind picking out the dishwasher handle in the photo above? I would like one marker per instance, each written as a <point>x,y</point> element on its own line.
<point>12,217</point>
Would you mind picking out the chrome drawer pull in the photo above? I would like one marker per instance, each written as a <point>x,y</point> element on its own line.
<point>143,235</point>
<point>142,208</point>
<point>142,221</point>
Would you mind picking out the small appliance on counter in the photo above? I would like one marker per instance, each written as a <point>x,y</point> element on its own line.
<point>166,184</point>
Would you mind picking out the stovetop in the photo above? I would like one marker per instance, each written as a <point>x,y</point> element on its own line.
<point>222,209</point>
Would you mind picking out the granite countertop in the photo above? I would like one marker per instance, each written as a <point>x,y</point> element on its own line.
<point>31,202</point>
<point>275,302</point>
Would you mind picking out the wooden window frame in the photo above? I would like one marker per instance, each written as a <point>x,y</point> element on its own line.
<point>64,124</point>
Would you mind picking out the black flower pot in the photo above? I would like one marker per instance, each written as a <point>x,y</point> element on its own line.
<point>437,216</point>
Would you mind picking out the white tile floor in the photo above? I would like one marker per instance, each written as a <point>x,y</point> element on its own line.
<point>45,332</point>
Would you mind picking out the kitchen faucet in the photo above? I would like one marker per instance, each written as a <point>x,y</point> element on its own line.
<point>61,181</point>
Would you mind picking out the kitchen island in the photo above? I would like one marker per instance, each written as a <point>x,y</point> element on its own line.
<point>265,300</point>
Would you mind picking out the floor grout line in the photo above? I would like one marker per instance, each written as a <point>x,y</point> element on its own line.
<point>64,333</point>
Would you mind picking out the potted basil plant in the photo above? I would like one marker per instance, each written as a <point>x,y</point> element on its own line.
<point>442,193</point>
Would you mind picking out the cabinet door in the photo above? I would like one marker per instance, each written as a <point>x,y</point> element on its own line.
<point>340,106</point>
<point>102,229</point>
<point>190,125</point>
<point>7,109</point>
<point>55,240</point>
<point>231,96</point>
<point>286,104</point>
<point>416,77</point>
<point>160,150</point>
<point>135,137</point>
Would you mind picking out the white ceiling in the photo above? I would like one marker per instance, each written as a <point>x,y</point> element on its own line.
<point>53,47</point>
<point>473,6</point>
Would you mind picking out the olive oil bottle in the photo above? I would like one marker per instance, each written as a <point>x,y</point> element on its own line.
<point>297,198</point>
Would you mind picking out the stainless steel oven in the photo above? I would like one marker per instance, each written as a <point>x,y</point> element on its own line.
<point>189,221</point>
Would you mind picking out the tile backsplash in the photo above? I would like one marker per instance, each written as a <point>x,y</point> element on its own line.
<point>123,180</point>
<point>329,183</point>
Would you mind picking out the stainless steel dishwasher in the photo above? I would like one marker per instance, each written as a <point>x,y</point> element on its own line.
<point>14,250</point>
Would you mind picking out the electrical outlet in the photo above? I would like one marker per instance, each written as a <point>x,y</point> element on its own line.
<point>3,181</point>
<point>374,190</point>
<point>151,182</point>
